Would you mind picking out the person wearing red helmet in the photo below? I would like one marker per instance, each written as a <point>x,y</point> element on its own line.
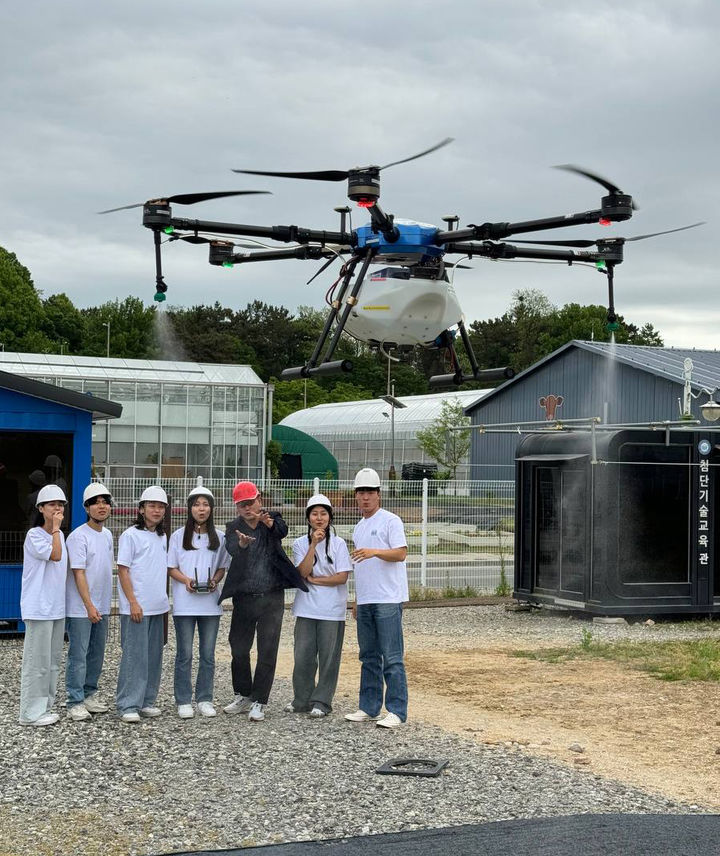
<point>257,590</point>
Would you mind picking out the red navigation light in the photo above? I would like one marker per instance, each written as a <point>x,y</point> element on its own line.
<point>603,221</point>
<point>365,203</point>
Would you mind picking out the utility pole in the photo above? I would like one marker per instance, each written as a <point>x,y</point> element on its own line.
<point>107,324</point>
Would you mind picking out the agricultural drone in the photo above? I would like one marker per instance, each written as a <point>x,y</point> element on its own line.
<point>411,300</point>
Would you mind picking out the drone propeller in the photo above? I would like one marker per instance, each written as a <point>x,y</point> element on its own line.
<point>598,179</point>
<point>584,244</point>
<point>189,198</point>
<point>340,175</point>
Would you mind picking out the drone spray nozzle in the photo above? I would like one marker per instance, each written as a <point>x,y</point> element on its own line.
<point>161,289</point>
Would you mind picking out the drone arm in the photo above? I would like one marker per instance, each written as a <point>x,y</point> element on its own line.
<point>491,250</point>
<point>303,252</point>
<point>497,231</point>
<point>284,234</point>
<point>384,224</point>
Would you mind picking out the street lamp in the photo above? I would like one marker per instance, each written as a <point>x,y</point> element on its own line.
<point>393,402</point>
<point>107,324</point>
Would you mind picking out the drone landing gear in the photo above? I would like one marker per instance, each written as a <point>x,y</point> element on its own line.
<point>457,377</point>
<point>328,366</point>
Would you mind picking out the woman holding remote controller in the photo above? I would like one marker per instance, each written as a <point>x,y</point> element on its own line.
<point>197,560</point>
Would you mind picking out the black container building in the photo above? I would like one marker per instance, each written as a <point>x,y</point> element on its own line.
<point>619,520</point>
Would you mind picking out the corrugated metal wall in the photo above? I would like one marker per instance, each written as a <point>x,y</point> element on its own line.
<point>589,384</point>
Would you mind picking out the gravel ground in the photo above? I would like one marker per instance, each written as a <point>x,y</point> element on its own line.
<point>170,785</point>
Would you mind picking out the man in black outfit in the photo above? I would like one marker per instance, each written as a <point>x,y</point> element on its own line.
<point>257,588</point>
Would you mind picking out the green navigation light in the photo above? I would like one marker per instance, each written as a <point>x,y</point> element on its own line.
<point>600,265</point>
<point>168,230</point>
<point>228,264</point>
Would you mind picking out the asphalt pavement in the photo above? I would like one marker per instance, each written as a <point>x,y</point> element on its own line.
<point>589,834</point>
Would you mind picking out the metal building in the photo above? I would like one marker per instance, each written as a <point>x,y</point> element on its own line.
<point>617,383</point>
<point>179,419</point>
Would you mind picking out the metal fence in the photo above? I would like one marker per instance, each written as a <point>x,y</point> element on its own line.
<point>459,533</point>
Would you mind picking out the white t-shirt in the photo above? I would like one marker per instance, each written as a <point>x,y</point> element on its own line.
<point>327,603</point>
<point>43,582</point>
<point>378,581</point>
<point>93,551</point>
<point>145,554</point>
<point>206,562</point>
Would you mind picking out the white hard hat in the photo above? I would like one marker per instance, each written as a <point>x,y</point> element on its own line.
<point>201,491</point>
<point>318,499</point>
<point>153,494</point>
<point>366,477</point>
<point>50,493</point>
<point>95,489</point>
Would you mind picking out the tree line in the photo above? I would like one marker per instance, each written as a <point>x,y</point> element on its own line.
<point>270,338</point>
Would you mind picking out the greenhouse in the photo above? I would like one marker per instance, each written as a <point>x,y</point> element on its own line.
<point>179,419</point>
<point>375,434</point>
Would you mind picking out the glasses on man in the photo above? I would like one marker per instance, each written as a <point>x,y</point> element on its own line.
<point>246,503</point>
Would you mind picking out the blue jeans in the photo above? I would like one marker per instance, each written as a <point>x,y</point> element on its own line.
<point>86,653</point>
<point>141,662</point>
<point>208,626</point>
<point>380,639</point>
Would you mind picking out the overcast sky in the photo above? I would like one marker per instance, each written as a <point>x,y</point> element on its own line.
<point>105,104</point>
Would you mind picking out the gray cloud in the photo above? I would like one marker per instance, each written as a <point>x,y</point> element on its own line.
<point>108,104</point>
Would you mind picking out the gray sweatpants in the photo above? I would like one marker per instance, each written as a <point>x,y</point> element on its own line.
<point>318,645</point>
<point>42,653</point>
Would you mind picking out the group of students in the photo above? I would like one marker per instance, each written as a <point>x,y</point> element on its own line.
<point>67,587</point>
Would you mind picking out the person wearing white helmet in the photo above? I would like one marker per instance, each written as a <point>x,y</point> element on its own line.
<point>87,603</point>
<point>323,560</point>
<point>42,607</point>
<point>381,588</point>
<point>142,575</point>
<point>197,560</point>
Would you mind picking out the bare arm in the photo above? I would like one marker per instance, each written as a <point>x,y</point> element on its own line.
<point>178,575</point>
<point>84,592</point>
<point>396,554</point>
<point>338,579</point>
<point>57,519</point>
<point>306,565</point>
<point>136,613</point>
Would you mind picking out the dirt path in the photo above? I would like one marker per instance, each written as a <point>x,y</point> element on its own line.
<point>663,737</point>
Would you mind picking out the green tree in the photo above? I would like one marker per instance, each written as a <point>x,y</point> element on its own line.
<point>211,334</point>
<point>64,323</point>
<point>441,442</point>
<point>131,329</point>
<point>21,309</point>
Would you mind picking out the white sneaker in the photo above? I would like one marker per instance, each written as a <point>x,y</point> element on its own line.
<point>360,716</point>
<point>206,708</point>
<point>185,711</point>
<point>94,705</point>
<point>241,704</point>
<point>131,716</point>
<point>48,718</point>
<point>317,713</point>
<point>150,712</point>
<point>392,720</point>
<point>257,712</point>
<point>78,712</point>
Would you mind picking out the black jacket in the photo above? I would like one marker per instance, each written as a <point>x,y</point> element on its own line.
<point>289,575</point>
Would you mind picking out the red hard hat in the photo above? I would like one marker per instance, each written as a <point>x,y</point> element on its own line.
<point>245,490</point>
